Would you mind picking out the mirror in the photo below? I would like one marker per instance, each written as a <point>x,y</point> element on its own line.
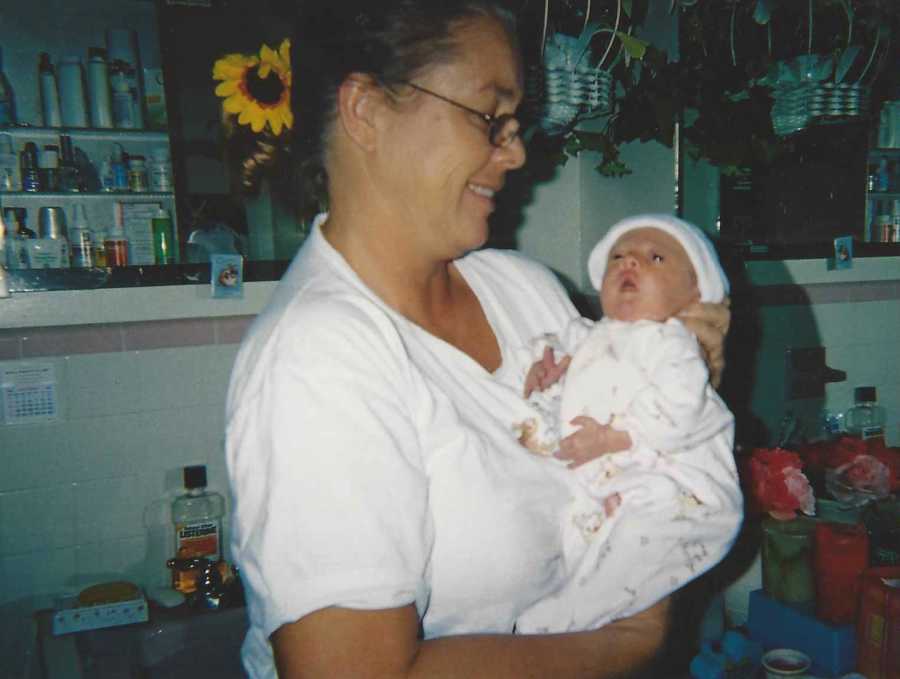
<point>231,181</point>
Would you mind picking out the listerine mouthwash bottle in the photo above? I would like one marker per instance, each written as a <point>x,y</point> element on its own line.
<point>197,516</point>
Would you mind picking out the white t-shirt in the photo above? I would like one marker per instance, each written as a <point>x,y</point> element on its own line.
<point>372,464</point>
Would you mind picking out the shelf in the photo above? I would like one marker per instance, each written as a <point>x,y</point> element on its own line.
<point>88,194</point>
<point>88,133</point>
<point>883,195</point>
<point>881,152</point>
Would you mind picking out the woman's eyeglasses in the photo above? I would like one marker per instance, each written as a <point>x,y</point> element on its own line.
<point>502,129</point>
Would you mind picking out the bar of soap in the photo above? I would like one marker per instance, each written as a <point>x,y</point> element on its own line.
<point>108,593</point>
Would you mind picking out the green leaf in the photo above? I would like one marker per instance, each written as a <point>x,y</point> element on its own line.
<point>634,47</point>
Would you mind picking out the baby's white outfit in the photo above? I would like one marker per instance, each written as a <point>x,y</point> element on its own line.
<point>680,499</point>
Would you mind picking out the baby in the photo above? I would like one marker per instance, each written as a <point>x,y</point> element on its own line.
<point>657,501</point>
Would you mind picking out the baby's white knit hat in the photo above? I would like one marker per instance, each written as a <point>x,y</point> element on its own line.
<point>711,279</point>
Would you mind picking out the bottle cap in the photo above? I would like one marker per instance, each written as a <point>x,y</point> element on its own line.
<point>44,63</point>
<point>120,45</point>
<point>195,476</point>
<point>864,394</point>
<point>96,54</point>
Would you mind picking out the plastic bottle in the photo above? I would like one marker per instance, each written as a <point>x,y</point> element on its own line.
<point>119,169</point>
<point>160,170</point>
<point>69,176</point>
<point>137,174</point>
<point>197,516</point>
<point>49,92</point>
<point>48,167</point>
<point>17,235</point>
<point>107,177</point>
<point>98,88</point>
<point>80,239</point>
<point>164,249</point>
<point>123,79</point>
<point>71,92</point>
<point>9,165</point>
<point>7,98</point>
<point>28,164</point>
<point>115,245</point>
<point>866,419</point>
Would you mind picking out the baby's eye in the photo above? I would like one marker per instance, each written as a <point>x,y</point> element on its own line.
<point>616,255</point>
<point>657,258</point>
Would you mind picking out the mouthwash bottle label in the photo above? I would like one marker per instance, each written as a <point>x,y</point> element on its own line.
<point>198,538</point>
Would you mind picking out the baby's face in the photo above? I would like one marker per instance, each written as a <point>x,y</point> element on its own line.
<point>648,277</point>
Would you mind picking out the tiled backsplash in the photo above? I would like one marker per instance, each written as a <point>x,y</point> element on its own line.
<point>141,400</point>
<point>137,401</point>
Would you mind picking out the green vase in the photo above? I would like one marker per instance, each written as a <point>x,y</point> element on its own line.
<point>787,565</point>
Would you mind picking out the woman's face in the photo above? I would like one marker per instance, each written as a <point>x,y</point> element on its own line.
<point>441,170</point>
<point>648,276</point>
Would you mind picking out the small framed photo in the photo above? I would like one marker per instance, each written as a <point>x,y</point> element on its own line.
<point>227,275</point>
<point>843,252</point>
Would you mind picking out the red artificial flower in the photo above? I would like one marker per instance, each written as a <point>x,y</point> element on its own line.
<point>778,484</point>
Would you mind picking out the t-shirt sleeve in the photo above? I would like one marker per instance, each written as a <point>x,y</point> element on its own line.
<point>325,463</point>
<point>670,412</point>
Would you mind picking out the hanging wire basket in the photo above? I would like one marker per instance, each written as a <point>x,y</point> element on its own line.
<point>799,105</point>
<point>813,89</point>
<point>571,82</point>
<point>561,94</point>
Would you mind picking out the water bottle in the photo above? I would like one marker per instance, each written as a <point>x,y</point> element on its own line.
<point>49,92</point>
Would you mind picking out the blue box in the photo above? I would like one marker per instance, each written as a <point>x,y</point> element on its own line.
<point>776,624</point>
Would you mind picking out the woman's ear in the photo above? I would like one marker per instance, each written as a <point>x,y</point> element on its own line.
<point>358,100</point>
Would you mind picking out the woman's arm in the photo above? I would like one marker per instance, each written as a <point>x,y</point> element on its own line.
<point>710,322</point>
<point>333,643</point>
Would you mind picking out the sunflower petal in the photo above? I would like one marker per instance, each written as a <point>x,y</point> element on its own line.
<point>266,53</point>
<point>236,103</point>
<point>227,88</point>
<point>288,116</point>
<point>264,69</point>
<point>284,50</point>
<point>275,122</point>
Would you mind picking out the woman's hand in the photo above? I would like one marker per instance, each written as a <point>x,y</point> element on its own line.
<point>710,322</point>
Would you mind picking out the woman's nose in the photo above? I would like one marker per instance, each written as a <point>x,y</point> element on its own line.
<point>511,156</point>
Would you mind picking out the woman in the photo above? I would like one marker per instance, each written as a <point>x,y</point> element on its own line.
<point>386,521</point>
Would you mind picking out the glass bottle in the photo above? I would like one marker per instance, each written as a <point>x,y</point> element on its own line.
<point>866,419</point>
<point>28,164</point>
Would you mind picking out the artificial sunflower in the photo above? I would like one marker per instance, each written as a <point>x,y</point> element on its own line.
<point>257,88</point>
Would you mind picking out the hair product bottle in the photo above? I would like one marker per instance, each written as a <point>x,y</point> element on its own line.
<point>98,88</point>
<point>71,92</point>
<point>49,92</point>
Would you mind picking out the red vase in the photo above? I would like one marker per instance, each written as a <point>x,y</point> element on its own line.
<point>841,556</point>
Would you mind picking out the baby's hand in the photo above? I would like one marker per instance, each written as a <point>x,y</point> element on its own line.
<point>591,441</point>
<point>546,372</point>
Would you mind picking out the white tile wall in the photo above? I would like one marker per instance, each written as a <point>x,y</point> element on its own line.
<point>73,494</point>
